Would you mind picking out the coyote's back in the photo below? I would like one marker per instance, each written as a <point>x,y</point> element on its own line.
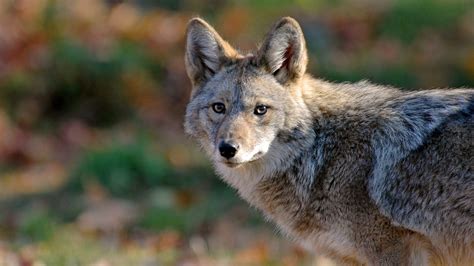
<point>362,173</point>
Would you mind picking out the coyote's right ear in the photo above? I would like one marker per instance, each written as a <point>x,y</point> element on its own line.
<point>206,51</point>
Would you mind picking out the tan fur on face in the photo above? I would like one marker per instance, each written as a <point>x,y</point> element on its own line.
<point>365,174</point>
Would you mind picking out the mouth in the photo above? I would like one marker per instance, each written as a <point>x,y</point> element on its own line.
<point>232,165</point>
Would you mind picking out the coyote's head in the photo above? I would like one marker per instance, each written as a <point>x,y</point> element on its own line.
<point>243,105</point>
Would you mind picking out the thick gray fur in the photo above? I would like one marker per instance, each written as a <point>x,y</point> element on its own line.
<point>362,173</point>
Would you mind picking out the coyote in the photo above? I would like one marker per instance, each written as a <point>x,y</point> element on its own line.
<point>362,173</point>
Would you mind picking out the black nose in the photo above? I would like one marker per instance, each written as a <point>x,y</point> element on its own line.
<point>228,150</point>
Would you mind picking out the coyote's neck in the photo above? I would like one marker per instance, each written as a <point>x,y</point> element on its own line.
<point>341,100</point>
<point>280,159</point>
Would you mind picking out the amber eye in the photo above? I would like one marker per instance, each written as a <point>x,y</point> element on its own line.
<point>218,108</point>
<point>260,110</point>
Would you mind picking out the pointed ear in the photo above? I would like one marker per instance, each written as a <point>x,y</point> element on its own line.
<point>283,52</point>
<point>206,51</point>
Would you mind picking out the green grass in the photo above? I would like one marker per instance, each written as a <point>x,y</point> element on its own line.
<point>122,169</point>
<point>408,18</point>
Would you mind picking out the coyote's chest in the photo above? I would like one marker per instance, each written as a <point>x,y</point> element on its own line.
<point>302,218</point>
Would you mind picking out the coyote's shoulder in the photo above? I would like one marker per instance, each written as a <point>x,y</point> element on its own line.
<point>366,174</point>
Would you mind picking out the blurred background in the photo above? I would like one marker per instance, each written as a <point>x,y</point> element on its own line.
<point>94,166</point>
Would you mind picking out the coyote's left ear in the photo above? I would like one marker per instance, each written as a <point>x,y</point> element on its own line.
<point>206,51</point>
<point>283,52</point>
